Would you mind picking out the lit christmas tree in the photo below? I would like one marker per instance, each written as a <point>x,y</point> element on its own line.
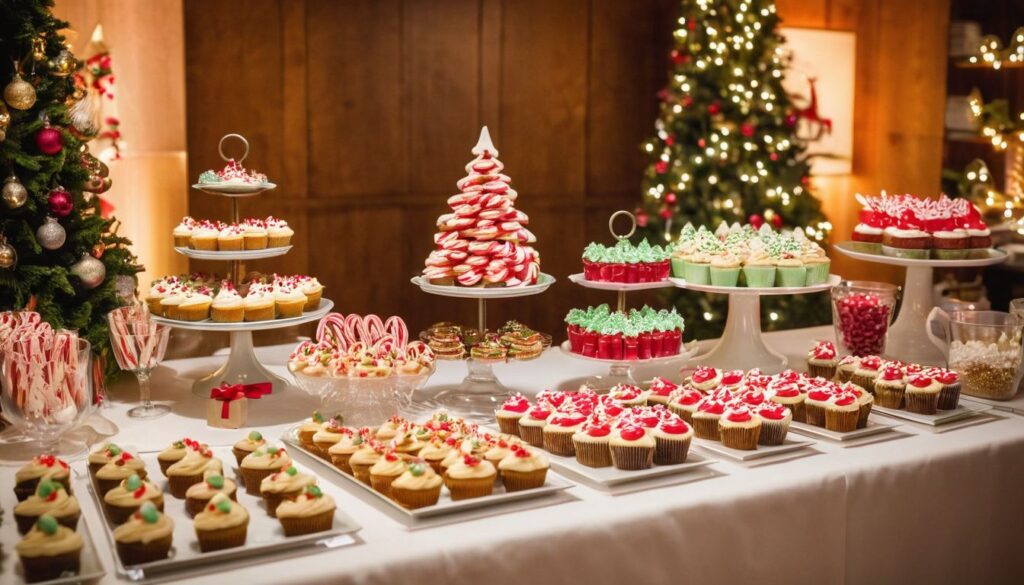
<point>726,148</point>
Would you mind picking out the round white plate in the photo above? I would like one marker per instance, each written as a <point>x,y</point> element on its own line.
<point>233,255</point>
<point>234,189</point>
<point>686,352</point>
<point>994,257</point>
<point>325,307</point>
<point>617,286</point>
<point>833,279</point>
<point>479,292</point>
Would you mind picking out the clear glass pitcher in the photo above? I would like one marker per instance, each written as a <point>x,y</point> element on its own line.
<point>984,347</point>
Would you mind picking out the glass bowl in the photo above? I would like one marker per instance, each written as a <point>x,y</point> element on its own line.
<point>363,401</point>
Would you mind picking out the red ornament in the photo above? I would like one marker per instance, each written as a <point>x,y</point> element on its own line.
<point>661,167</point>
<point>678,57</point>
<point>60,202</point>
<point>714,108</point>
<point>670,198</point>
<point>691,24</point>
<point>755,220</point>
<point>777,221</point>
<point>791,120</point>
<point>747,129</point>
<point>665,213</point>
<point>48,140</point>
<point>641,218</point>
<point>774,156</point>
<point>701,142</point>
<point>687,101</point>
<point>670,140</point>
<point>805,180</point>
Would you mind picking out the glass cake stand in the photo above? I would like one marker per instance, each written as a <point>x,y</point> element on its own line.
<point>480,393</point>
<point>906,339</point>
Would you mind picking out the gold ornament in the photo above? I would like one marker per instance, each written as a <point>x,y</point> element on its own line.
<point>14,193</point>
<point>5,121</point>
<point>8,255</point>
<point>63,64</point>
<point>97,251</point>
<point>97,184</point>
<point>20,94</point>
<point>39,49</point>
<point>78,92</point>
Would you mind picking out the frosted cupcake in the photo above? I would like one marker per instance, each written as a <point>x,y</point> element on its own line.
<point>117,470</point>
<point>672,439</point>
<point>922,394</point>
<point>222,524</point>
<point>847,366</point>
<point>470,477</point>
<point>261,463</point>
<point>558,433</point>
<point>632,447</point>
<point>46,466</point>
<point>259,303</point>
<point>172,299</point>
<point>842,412</point>
<point>313,290</point>
<point>288,301</point>
<point>523,469</point>
<point>231,238</point>
<point>775,419</point>
<point>343,450</point>
<point>312,511</point>
<point>205,235</point>
<point>725,269</point>
<point>200,494</point>
<point>683,403</point>
<point>49,550</point>
<point>531,426</point>
<point>284,485</point>
<point>822,360</point>
<point>278,232</point>
<point>195,306</point>
<point>890,386</point>
<point>190,470</point>
<point>227,306</point>
<point>591,443</point>
<point>739,428</point>
<point>660,391</point>
<point>510,412</point>
<point>254,234</point>
<point>385,471</point>
<point>183,232</point>
<point>419,486</point>
<point>146,536</point>
<point>759,268</point>
<point>866,372</point>
<point>121,502</point>
<point>788,394</point>
<point>50,498</point>
<point>254,440</point>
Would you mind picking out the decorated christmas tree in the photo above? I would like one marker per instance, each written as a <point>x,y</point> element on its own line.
<point>725,148</point>
<point>58,254</point>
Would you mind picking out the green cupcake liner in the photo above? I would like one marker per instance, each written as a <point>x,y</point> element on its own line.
<point>913,253</point>
<point>678,267</point>
<point>759,276</point>
<point>817,273</point>
<point>790,276</point>
<point>949,254</point>
<point>697,273</point>
<point>725,276</point>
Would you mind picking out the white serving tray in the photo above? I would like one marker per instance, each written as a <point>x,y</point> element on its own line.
<point>872,428</point>
<point>993,257</point>
<point>233,254</point>
<point>265,538</point>
<point>962,411</point>
<point>618,286</point>
<point>234,189</point>
<point>90,567</point>
<point>790,445</point>
<point>209,325</point>
<point>544,281</point>
<point>445,505</point>
<point>833,279</point>
<point>611,476</point>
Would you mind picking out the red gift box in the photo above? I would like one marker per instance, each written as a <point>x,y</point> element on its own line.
<point>630,348</point>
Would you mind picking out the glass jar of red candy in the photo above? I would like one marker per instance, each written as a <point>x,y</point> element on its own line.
<point>861,313</point>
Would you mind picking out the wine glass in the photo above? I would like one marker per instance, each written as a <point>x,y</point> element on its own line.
<point>46,389</point>
<point>139,345</point>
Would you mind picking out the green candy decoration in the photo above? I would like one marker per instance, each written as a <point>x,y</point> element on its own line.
<point>272,450</point>
<point>114,449</point>
<point>47,524</point>
<point>215,481</point>
<point>291,471</point>
<point>179,444</point>
<point>45,488</point>
<point>255,436</point>
<point>314,491</point>
<point>133,482</point>
<point>417,469</point>
<point>317,417</point>
<point>149,513</point>
<point>224,506</point>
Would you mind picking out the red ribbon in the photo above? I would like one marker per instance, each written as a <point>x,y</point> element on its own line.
<point>226,393</point>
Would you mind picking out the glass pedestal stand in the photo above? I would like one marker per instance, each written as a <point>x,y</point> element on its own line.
<point>480,392</point>
<point>742,346</point>
<point>906,339</point>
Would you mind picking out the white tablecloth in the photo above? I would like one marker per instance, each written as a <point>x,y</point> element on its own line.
<point>928,508</point>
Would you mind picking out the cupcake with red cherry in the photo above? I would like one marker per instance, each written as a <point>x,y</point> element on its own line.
<point>705,379</point>
<point>629,395</point>
<point>866,372</point>
<point>705,419</point>
<point>815,404</point>
<point>739,428</point>
<point>523,469</point>
<point>949,396</point>
<point>591,443</point>
<point>531,426</point>
<point>731,380</point>
<point>660,390</point>
<point>890,386</point>
<point>559,430</point>
<point>822,360</point>
<point>632,447</point>
<point>842,412</point>
<point>788,394</point>
<point>672,439</point>
<point>775,419</point>
<point>683,403</point>
<point>510,412</point>
<point>922,394</point>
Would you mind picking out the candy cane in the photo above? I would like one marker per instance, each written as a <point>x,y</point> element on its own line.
<point>396,327</point>
<point>374,328</point>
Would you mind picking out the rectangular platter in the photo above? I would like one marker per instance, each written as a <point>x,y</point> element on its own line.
<point>962,411</point>
<point>790,445</point>
<point>445,505</point>
<point>612,476</point>
<point>90,568</point>
<point>873,428</point>
<point>265,538</point>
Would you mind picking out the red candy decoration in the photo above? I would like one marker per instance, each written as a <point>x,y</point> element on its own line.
<point>632,433</point>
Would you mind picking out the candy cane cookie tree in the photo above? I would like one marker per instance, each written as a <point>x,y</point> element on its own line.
<point>482,251</point>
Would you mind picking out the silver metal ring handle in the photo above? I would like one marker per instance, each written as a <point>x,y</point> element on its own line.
<point>220,147</point>
<point>632,227</point>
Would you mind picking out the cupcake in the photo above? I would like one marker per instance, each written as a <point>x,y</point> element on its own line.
<point>470,477</point>
<point>847,366</point>
<point>27,478</point>
<point>510,412</point>
<point>170,301</point>
<point>222,524</point>
<point>50,499</point>
<point>260,463</point>
<point>981,239</point>
<point>227,305</point>
<point>254,440</point>
<point>195,306</point>
<point>775,419</point>
<point>418,487</point>
<point>286,484</point>
<point>145,537</point>
<point>788,394</point>
<point>278,232</point>
<point>259,303</point>
<point>949,396</point>
<point>660,390</point>
<point>628,395</point>
<point>313,290</point>
<point>408,442</point>
<point>288,301</point>
<point>364,459</point>
<point>818,266</point>
<point>531,426</point>
<point>385,471</point>
<point>312,511</point>
<point>389,429</point>
<point>697,268</point>
<point>950,244</point>
<point>731,380</point>
<point>559,431</point>
<point>739,428</point>
<point>254,234</point>
<point>683,403</point>
<point>591,443</point>
<point>672,439</point>
<point>706,379</point>
<point>922,394</point>
<point>815,403</point>
<point>200,494</point>
<point>705,418</point>
<point>190,470</point>
<point>498,449</point>
<point>49,550</point>
<point>890,387</point>
<point>174,453</point>
<point>865,401</point>
<point>101,457</point>
<point>342,451</point>
<point>231,238</point>
<point>866,372</point>
<point>121,502</point>
<point>725,269</point>
<point>906,242</point>
<point>867,238</point>
<point>308,428</point>
<point>632,447</point>
<point>183,232</point>
<point>204,236</point>
<point>842,412</point>
<point>117,470</point>
<point>523,469</point>
<point>759,269</point>
<point>822,360</point>
<point>329,434</point>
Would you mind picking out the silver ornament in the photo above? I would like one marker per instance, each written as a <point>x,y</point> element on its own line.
<point>90,270</point>
<point>14,193</point>
<point>8,255</point>
<point>51,234</point>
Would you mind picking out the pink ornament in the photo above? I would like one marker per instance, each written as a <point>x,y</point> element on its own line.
<point>747,129</point>
<point>641,218</point>
<point>60,202</point>
<point>670,198</point>
<point>755,220</point>
<point>48,140</point>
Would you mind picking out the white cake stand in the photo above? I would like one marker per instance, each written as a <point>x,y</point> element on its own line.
<point>742,347</point>
<point>906,339</point>
<point>242,367</point>
<point>480,393</point>
<point>621,371</point>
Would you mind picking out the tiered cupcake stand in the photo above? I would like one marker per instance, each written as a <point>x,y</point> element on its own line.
<point>906,339</point>
<point>480,393</point>
<point>242,366</point>
<point>621,371</point>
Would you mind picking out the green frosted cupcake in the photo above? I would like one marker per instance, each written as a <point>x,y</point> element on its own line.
<point>817,269</point>
<point>725,270</point>
<point>790,272</point>
<point>697,272</point>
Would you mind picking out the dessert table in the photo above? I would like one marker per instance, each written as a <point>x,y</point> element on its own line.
<point>924,506</point>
